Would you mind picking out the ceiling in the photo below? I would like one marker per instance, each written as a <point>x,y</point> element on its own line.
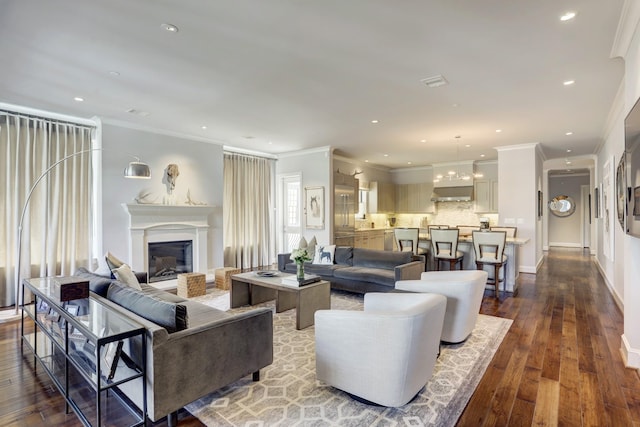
<point>283,75</point>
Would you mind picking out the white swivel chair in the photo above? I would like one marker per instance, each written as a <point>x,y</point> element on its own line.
<point>444,245</point>
<point>489,250</point>
<point>384,354</point>
<point>464,290</point>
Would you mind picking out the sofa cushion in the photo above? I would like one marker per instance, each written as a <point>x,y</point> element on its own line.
<point>163,295</point>
<point>98,284</point>
<point>321,269</point>
<point>380,259</point>
<point>367,274</point>
<point>343,255</point>
<point>171,316</point>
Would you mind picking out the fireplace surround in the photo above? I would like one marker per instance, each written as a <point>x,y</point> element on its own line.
<point>151,223</point>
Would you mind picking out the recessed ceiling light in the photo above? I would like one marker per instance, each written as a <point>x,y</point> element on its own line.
<point>568,150</point>
<point>78,98</point>
<point>455,105</point>
<point>467,145</point>
<point>408,163</point>
<point>270,143</point>
<point>568,16</point>
<point>568,82</point>
<point>569,133</point>
<point>366,161</point>
<point>169,27</point>
<point>114,73</point>
<point>498,130</point>
<point>375,121</point>
<point>423,140</point>
<point>203,127</point>
<point>481,155</point>
<point>386,155</point>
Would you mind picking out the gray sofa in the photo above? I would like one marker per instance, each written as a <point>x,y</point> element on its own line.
<point>192,349</point>
<point>362,270</point>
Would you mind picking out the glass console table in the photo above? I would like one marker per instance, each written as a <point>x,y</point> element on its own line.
<point>85,347</point>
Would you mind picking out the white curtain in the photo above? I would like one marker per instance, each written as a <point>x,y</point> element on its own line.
<point>56,233</point>
<point>248,211</point>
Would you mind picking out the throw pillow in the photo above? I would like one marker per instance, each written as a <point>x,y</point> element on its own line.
<point>102,268</point>
<point>126,276</point>
<point>324,254</point>
<point>303,243</point>
<point>173,317</point>
<point>112,262</point>
<point>311,246</point>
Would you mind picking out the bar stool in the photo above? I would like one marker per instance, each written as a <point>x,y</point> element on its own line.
<point>445,247</point>
<point>511,231</point>
<point>489,250</point>
<point>407,239</point>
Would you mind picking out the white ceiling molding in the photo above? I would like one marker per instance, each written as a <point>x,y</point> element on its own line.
<point>325,149</point>
<point>627,26</point>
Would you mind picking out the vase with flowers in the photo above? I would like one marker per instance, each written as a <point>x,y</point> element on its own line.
<point>299,256</point>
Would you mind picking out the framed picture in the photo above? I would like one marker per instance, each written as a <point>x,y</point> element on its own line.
<point>540,209</point>
<point>621,188</point>
<point>111,356</point>
<point>314,207</point>
<point>596,202</point>
<point>636,202</point>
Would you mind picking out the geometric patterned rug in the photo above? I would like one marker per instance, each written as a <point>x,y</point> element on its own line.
<point>288,393</point>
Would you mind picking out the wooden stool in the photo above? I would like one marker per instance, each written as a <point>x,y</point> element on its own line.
<point>191,285</point>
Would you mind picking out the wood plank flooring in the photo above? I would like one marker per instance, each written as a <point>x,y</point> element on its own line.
<point>559,364</point>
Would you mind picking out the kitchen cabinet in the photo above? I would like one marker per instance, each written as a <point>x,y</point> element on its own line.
<point>369,239</point>
<point>414,198</point>
<point>382,197</point>
<point>486,195</point>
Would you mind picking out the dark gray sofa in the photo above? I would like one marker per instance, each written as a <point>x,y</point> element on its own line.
<point>362,270</point>
<point>183,365</point>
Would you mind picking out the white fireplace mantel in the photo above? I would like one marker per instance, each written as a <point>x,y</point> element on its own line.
<point>161,223</point>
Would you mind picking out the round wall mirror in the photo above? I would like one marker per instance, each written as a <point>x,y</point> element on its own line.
<point>562,206</point>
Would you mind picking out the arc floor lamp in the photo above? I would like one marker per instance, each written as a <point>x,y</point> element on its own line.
<point>136,170</point>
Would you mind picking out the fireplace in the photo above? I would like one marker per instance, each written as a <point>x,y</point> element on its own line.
<point>168,259</point>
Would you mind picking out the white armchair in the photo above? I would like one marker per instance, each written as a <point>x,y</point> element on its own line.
<point>464,290</point>
<point>384,354</point>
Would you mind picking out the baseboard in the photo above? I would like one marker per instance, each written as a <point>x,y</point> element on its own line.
<point>619,301</point>
<point>528,269</point>
<point>565,244</point>
<point>630,355</point>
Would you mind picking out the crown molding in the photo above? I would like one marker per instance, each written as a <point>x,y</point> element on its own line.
<point>324,149</point>
<point>627,26</point>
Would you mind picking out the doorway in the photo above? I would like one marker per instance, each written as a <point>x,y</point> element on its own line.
<point>290,212</point>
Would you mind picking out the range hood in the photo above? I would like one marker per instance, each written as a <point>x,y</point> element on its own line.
<point>452,194</point>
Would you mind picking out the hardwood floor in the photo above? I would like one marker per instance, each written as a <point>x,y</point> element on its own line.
<point>559,364</point>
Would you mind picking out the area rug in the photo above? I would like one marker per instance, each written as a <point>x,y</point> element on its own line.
<point>288,393</point>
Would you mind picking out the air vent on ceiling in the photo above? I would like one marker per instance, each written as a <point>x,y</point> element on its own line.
<point>435,81</point>
<point>137,112</point>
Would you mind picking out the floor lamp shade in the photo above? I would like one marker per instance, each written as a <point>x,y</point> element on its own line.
<point>136,169</point>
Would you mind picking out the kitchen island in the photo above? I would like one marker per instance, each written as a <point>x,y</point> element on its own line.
<point>465,245</point>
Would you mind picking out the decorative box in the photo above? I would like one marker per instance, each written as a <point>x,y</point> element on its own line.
<point>223,277</point>
<point>69,288</point>
<point>191,285</point>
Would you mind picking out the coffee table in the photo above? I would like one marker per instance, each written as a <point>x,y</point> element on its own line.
<point>249,288</point>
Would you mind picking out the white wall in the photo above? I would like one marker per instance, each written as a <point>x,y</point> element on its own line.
<point>566,231</point>
<point>201,172</point>
<point>517,198</point>
<point>315,167</point>
<point>626,248</point>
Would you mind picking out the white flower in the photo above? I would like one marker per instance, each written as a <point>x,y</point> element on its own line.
<point>300,255</point>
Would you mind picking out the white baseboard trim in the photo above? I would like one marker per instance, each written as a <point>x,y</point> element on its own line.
<point>528,269</point>
<point>619,301</point>
<point>565,244</point>
<point>630,355</point>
